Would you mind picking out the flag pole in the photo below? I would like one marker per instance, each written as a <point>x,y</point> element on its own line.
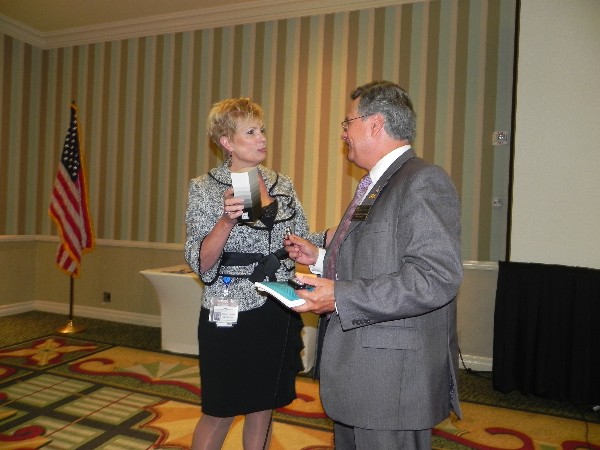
<point>69,210</point>
<point>69,327</point>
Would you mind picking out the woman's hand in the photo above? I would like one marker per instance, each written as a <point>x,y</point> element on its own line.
<point>214,242</point>
<point>233,207</point>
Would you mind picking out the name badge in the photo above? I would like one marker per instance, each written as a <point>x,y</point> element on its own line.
<point>224,311</point>
<point>361,212</point>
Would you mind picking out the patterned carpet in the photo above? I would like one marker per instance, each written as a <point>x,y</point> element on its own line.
<point>74,393</point>
<point>110,387</point>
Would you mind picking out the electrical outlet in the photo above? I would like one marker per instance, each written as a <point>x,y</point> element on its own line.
<point>106,297</point>
<point>500,138</point>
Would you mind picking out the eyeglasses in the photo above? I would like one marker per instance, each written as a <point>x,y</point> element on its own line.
<point>346,122</point>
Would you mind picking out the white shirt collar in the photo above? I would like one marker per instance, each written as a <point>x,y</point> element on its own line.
<point>384,163</point>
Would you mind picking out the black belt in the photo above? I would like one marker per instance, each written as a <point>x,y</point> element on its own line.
<point>266,267</point>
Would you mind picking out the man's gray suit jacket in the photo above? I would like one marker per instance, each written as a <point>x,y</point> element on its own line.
<point>389,355</point>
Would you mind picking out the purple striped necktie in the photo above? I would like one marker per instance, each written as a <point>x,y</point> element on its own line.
<point>334,248</point>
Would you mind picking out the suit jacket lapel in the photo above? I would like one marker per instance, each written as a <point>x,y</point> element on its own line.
<point>374,192</point>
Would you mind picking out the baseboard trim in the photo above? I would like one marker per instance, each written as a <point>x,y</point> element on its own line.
<point>476,363</point>
<point>16,308</point>
<point>82,311</point>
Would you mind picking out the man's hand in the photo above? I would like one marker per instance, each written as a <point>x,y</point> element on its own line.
<point>301,250</point>
<point>319,300</point>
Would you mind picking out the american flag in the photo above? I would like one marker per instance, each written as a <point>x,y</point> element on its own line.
<point>69,203</point>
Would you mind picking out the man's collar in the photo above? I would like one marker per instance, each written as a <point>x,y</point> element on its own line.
<point>382,165</point>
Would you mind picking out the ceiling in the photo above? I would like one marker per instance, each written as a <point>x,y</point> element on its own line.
<point>58,23</point>
<point>57,15</point>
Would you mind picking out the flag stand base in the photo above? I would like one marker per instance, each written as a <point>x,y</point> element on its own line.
<point>70,328</point>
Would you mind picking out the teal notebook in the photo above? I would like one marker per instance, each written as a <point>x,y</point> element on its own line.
<point>281,291</point>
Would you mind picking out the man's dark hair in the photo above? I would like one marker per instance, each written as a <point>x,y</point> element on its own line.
<point>393,103</point>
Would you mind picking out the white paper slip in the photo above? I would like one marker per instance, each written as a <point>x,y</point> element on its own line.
<point>246,186</point>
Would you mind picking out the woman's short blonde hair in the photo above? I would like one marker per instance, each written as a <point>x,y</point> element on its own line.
<point>223,117</point>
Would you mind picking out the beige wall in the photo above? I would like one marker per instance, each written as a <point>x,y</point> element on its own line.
<point>30,275</point>
<point>143,104</point>
<point>476,303</point>
<point>18,268</point>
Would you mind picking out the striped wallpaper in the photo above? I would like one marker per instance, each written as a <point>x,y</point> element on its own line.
<point>143,104</point>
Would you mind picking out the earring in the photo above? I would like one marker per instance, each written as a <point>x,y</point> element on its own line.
<point>229,160</point>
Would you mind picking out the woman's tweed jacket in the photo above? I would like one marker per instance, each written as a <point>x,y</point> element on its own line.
<point>205,207</point>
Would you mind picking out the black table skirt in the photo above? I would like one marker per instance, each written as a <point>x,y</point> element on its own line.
<point>547,332</point>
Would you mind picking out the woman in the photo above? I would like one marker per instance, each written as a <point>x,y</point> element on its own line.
<point>248,366</point>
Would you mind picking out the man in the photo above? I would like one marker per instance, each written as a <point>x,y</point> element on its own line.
<point>389,356</point>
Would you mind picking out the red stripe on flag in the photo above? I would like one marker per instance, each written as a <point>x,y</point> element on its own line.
<point>65,206</point>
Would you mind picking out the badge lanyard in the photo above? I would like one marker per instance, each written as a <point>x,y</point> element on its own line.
<point>224,310</point>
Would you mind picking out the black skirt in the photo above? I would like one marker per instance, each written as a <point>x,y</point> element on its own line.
<point>253,365</point>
